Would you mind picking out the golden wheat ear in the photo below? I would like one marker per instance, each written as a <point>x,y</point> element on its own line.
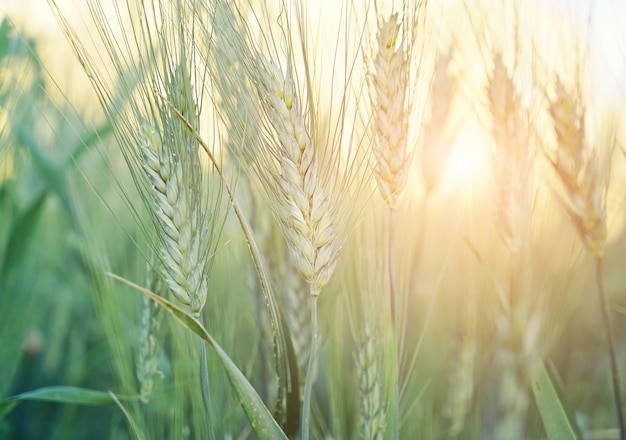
<point>389,94</point>
<point>303,207</point>
<point>577,168</point>
<point>512,159</point>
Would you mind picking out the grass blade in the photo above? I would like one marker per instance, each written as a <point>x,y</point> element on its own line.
<point>59,394</point>
<point>556,421</point>
<point>260,418</point>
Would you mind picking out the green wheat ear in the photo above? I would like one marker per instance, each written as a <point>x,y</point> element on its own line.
<point>372,415</point>
<point>149,343</point>
<point>184,252</point>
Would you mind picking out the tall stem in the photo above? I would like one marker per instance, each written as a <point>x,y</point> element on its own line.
<point>396,337</point>
<point>606,317</point>
<point>204,386</point>
<point>308,384</point>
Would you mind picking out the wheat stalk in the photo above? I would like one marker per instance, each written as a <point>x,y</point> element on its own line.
<point>390,96</point>
<point>303,208</point>
<point>578,170</point>
<point>306,173</point>
<point>155,70</point>
<point>512,161</point>
<point>183,222</point>
<point>391,124</point>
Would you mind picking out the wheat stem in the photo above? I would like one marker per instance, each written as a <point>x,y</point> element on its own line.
<point>606,318</point>
<point>204,386</point>
<point>308,384</point>
<point>396,336</point>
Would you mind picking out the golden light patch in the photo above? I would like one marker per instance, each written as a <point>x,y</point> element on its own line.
<point>469,164</point>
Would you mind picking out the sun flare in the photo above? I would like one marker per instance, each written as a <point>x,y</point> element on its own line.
<point>469,164</point>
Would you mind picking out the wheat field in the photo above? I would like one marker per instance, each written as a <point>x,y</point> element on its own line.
<point>364,219</point>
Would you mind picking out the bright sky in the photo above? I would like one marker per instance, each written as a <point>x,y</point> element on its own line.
<point>608,49</point>
<point>608,35</point>
<point>608,41</point>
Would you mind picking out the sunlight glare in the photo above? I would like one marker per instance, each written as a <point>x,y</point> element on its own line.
<point>469,164</point>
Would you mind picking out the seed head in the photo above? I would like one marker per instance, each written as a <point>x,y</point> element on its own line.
<point>303,208</point>
<point>577,168</point>
<point>390,85</point>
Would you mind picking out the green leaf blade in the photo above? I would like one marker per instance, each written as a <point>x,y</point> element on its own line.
<point>58,394</point>
<point>555,419</point>
<point>260,418</point>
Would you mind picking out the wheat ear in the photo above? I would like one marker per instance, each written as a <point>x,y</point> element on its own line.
<point>577,168</point>
<point>181,252</point>
<point>511,158</point>
<point>149,348</point>
<point>184,224</point>
<point>303,207</point>
<point>305,212</point>
<point>371,407</point>
<point>390,85</point>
